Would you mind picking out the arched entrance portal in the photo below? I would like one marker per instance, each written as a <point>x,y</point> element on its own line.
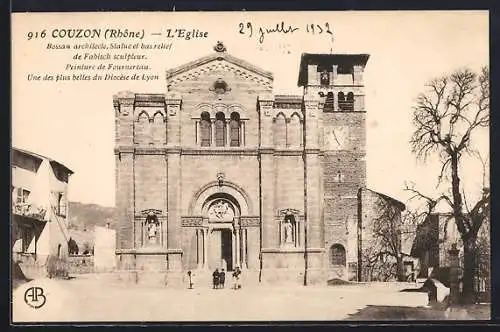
<point>222,213</point>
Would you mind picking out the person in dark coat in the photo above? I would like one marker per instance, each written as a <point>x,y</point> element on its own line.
<point>215,276</point>
<point>222,278</point>
<point>190,277</point>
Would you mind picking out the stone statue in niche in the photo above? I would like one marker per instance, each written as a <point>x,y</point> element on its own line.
<point>152,226</point>
<point>152,232</point>
<point>288,232</point>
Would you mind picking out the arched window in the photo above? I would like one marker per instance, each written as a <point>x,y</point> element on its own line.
<point>294,132</point>
<point>205,129</point>
<point>337,254</point>
<point>142,129</point>
<point>340,97</point>
<point>329,102</point>
<point>220,129</point>
<point>350,101</point>
<point>235,134</point>
<point>346,104</point>
<point>280,131</point>
<point>350,97</point>
<point>159,130</point>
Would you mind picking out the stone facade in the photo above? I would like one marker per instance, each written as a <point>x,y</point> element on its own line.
<point>220,172</point>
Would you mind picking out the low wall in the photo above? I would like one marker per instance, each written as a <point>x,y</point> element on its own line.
<point>79,264</point>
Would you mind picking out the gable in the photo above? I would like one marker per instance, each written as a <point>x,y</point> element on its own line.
<point>219,62</point>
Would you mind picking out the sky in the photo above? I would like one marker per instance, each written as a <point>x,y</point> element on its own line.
<point>73,121</point>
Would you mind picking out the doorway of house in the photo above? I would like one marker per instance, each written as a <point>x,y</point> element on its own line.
<point>227,248</point>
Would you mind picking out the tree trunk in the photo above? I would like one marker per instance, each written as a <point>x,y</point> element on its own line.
<point>400,273</point>
<point>468,292</point>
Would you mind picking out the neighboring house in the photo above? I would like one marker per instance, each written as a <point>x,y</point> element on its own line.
<point>381,236</point>
<point>435,237</point>
<point>39,208</point>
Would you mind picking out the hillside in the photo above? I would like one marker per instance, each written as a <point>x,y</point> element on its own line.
<point>83,217</point>
<point>86,216</point>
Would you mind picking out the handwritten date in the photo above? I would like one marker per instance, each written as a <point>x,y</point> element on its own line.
<point>248,29</point>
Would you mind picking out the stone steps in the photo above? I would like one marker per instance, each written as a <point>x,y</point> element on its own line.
<point>205,279</point>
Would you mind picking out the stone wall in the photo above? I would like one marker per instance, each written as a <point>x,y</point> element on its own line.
<point>81,264</point>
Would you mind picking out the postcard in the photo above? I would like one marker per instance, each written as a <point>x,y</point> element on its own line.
<point>250,166</point>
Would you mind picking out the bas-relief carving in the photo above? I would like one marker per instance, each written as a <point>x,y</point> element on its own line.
<point>221,211</point>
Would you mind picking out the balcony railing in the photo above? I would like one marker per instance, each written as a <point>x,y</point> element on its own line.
<point>29,210</point>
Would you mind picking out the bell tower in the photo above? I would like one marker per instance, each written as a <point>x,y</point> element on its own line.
<point>335,149</point>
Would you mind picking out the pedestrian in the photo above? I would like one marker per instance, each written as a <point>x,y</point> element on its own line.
<point>236,278</point>
<point>191,279</point>
<point>215,276</point>
<point>222,278</point>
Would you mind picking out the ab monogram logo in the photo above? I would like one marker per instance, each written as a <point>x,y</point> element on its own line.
<point>35,297</point>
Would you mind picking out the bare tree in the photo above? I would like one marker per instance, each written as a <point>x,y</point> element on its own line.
<point>445,118</point>
<point>390,229</point>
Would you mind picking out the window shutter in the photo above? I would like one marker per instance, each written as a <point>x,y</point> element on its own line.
<point>19,196</point>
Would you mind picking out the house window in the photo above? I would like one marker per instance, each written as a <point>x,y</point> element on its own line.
<point>235,133</point>
<point>22,195</point>
<point>61,204</point>
<point>220,129</point>
<point>205,129</point>
<point>337,254</point>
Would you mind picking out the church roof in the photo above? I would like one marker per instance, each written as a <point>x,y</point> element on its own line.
<point>342,60</point>
<point>219,54</point>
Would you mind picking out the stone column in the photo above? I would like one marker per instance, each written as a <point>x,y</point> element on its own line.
<point>244,248</point>
<point>242,133</point>
<point>233,247</point>
<point>228,133</point>
<point>205,248</point>
<point>238,246</point>
<point>312,75</point>
<point>357,74</point>
<point>124,152</point>
<point>454,270</point>
<point>199,247</point>
<point>173,104</point>
<point>213,132</point>
<point>269,227</point>
<point>313,170</point>
<point>198,136</point>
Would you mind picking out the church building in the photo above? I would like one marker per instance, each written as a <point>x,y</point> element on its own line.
<point>219,172</point>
